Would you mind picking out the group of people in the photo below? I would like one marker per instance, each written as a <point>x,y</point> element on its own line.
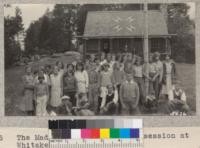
<point>105,84</point>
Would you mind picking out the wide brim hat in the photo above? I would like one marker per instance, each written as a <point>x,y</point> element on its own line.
<point>65,98</point>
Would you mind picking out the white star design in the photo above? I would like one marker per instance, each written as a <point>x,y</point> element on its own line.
<point>130,19</point>
<point>130,28</point>
<point>118,28</point>
<point>117,20</point>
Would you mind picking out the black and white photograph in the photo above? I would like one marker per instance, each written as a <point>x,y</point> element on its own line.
<point>100,59</point>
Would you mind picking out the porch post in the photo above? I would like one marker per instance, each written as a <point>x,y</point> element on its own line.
<point>99,46</point>
<point>85,47</point>
<point>111,44</point>
<point>146,47</point>
<point>166,46</point>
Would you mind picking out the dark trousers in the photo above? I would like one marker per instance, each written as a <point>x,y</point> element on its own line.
<point>71,94</point>
<point>119,102</point>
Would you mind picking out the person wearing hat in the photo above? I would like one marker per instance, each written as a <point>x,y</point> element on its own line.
<point>177,99</point>
<point>66,106</point>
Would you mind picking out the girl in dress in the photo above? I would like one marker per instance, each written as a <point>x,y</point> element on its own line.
<point>169,72</point>
<point>82,79</point>
<point>28,92</point>
<point>56,89</point>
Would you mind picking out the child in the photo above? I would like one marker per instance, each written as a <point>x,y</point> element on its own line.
<point>60,66</point>
<point>113,58</point>
<point>118,76</point>
<point>82,106</point>
<point>128,67</point>
<point>41,71</point>
<point>82,79</point>
<point>169,72</point>
<point>109,104</point>
<point>129,57</point>
<point>102,58</point>
<point>48,70</point>
<point>129,95</point>
<point>138,77</point>
<point>105,80</point>
<point>56,89</point>
<point>92,58</point>
<point>97,65</point>
<point>153,74</point>
<point>42,96</point>
<point>66,106</point>
<point>87,65</point>
<point>93,88</point>
<point>70,84</point>
<point>109,62</point>
<point>158,81</point>
<point>28,92</point>
<point>177,100</point>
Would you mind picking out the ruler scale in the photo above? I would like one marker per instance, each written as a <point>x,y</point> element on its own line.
<point>124,133</point>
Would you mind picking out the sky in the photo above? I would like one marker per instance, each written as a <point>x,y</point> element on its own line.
<point>32,12</point>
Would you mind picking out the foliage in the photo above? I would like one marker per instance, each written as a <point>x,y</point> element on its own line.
<point>179,23</point>
<point>13,26</point>
<point>55,31</point>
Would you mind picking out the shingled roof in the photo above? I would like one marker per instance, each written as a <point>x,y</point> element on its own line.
<point>124,24</point>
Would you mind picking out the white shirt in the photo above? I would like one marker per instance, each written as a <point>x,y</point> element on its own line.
<point>82,80</point>
<point>180,91</point>
<point>115,99</point>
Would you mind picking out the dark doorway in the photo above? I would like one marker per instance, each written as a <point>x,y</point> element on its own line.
<point>105,46</point>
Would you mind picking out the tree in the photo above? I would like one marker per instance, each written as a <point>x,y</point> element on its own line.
<point>179,23</point>
<point>44,33</point>
<point>32,38</point>
<point>13,26</point>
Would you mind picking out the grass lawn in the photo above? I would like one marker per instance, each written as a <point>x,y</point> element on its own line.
<point>13,85</point>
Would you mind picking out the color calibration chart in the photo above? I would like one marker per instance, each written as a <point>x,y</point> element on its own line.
<point>108,133</point>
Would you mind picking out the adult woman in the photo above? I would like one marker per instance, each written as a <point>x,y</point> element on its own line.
<point>56,88</point>
<point>28,92</point>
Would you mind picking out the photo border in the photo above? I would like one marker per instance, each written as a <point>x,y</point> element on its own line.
<point>149,121</point>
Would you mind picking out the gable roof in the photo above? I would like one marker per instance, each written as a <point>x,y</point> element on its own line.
<point>124,24</point>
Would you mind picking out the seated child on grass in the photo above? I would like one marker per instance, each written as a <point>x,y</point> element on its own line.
<point>66,106</point>
<point>82,105</point>
<point>177,100</point>
<point>109,104</point>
